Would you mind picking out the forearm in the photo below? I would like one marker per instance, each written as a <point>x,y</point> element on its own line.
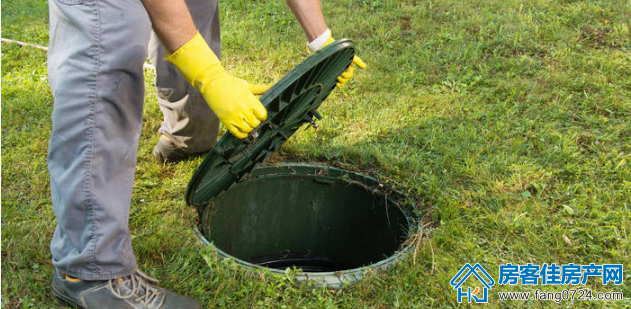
<point>171,21</point>
<point>309,15</point>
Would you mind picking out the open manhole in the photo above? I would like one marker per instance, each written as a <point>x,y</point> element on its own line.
<point>330,223</point>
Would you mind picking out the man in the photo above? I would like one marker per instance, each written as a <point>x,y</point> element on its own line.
<point>96,53</point>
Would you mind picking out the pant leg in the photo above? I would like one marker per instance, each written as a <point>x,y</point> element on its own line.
<point>188,121</point>
<point>95,58</point>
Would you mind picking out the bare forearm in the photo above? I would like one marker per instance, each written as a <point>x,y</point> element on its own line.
<point>309,15</point>
<point>171,21</point>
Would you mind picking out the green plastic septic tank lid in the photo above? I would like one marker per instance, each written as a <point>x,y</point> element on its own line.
<point>290,103</point>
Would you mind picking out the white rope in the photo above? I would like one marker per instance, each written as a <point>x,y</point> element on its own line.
<point>146,65</point>
<point>24,44</point>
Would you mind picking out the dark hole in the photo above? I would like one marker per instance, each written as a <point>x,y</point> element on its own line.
<point>305,261</point>
<point>315,223</point>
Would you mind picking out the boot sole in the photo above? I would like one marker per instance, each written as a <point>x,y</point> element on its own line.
<point>65,298</point>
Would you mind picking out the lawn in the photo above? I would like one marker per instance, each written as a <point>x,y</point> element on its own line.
<point>509,123</point>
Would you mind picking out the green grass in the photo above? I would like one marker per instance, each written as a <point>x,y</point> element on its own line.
<point>508,121</point>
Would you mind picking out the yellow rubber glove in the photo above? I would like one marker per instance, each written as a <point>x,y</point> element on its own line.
<point>259,89</point>
<point>229,97</point>
<point>342,79</point>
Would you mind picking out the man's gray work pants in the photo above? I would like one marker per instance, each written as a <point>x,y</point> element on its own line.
<point>95,66</point>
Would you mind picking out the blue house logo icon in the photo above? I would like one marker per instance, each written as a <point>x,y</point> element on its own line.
<point>480,273</point>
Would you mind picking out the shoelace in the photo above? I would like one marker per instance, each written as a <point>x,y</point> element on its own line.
<point>139,285</point>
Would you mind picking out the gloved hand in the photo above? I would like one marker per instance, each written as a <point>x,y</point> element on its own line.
<point>259,89</point>
<point>325,39</point>
<point>229,97</point>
